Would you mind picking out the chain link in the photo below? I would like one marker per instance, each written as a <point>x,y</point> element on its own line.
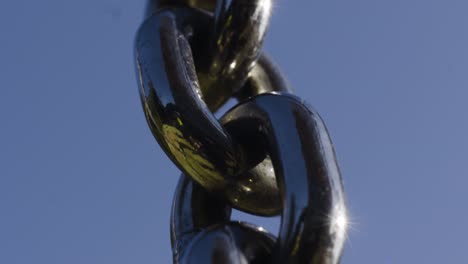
<point>270,154</point>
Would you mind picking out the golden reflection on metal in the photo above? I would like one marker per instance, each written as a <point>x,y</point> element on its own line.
<point>186,153</point>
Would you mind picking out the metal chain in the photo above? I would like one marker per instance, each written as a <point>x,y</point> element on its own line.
<point>270,154</point>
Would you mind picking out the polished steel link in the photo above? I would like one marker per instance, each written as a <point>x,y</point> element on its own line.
<point>202,233</point>
<point>182,123</point>
<point>240,27</point>
<point>270,154</point>
<point>313,225</point>
<point>237,34</point>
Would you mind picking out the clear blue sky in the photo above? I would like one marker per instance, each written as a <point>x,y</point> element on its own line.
<point>83,181</point>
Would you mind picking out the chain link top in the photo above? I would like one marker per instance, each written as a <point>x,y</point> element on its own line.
<point>270,154</point>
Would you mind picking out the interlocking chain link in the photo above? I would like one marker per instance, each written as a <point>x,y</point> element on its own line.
<point>270,154</point>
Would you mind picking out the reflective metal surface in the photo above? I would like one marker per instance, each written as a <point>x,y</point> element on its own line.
<point>314,221</point>
<point>175,111</point>
<point>240,27</point>
<point>182,123</point>
<point>236,37</point>
<point>201,231</point>
<point>263,78</point>
<point>269,154</point>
